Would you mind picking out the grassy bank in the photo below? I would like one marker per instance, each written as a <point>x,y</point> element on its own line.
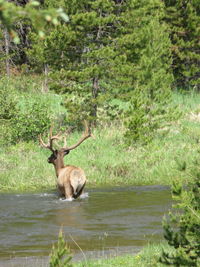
<point>107,161</point>
<point>148,256</point>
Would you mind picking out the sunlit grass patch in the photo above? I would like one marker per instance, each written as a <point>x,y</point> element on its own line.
<point>24,168</point>
<point>149,256</point>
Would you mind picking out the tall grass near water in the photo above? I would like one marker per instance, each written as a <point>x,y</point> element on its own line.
<point>105,158</point>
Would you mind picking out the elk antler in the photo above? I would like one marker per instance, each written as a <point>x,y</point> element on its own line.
<point>51,138</point>
<point>86,134</point>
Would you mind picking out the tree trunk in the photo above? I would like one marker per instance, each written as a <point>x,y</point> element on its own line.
<point>45,87</point>
<point>7,48</point>
<point>95,92</point>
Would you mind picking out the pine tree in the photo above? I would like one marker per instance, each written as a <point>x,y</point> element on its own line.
<point>84,57</point>
<point>183,18</point>
<point>60,255</point>
<point>182,229</point>
<point>147,45</point>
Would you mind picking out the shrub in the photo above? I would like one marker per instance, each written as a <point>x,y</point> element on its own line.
<point>28,124</point>
<point>21,117</point>
<point>60,254</point>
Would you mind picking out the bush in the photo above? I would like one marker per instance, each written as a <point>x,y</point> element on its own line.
<point>22,117</point>
<point>28,124</point>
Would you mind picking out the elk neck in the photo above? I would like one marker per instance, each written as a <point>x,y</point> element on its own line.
<point>58,164</point>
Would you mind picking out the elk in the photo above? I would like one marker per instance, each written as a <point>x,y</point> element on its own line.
<point>71,180</point>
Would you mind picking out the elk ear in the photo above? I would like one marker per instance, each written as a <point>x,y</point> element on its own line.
<point>66,152</point>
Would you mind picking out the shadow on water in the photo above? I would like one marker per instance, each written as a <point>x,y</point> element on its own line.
<point>108,221</point>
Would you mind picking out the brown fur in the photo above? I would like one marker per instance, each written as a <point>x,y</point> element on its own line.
<point>71,180</point>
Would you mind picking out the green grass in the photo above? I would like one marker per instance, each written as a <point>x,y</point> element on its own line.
<point>105,159</point>
<point>187,100</point>
<point>149,256</point>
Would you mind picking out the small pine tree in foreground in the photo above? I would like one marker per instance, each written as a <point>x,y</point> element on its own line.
<point>60,255</point>
<point>182,231</point>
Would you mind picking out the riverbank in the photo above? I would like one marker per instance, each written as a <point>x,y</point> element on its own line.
<point>148,256</point>
<point>105,159</point>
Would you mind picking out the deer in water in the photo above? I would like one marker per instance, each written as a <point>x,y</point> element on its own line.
<point>70,179</point>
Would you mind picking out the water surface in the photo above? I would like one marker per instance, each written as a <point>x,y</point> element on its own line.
<point>108,221</point>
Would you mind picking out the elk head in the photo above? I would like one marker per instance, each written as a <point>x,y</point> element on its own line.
<point>58,154</point>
